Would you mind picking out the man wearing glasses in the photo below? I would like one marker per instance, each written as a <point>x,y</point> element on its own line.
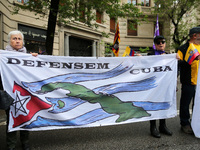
<point>160,44</point>
<point>188,66</point>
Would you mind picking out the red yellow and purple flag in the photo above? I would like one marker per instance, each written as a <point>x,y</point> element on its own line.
<point>116,42</point>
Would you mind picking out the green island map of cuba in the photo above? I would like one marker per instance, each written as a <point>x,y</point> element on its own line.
<point>77,94</point>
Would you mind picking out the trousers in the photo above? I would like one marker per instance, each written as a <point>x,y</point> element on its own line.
<point>161,121</point>
<point>187,95</point>
<point>11,137</point>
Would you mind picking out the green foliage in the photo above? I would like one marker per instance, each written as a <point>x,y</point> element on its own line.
<point>108,49</point>
<point>183,15</point>
<point>64,12</point>
<point>72,10</point>
<point>144,50</point>
<point>104,34</point>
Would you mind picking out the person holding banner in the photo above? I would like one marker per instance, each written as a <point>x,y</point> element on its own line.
<point>41,51</point>
<point>160,44</point>
<point>16,43</point>
<point>188,66</point>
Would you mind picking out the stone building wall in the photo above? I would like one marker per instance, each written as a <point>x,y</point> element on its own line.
<point>144,38</point>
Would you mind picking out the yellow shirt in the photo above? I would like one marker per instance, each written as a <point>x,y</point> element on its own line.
<point>194,64</point>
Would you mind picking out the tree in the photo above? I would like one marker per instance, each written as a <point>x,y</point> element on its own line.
<point>67,11</point>
<point>183,16</point>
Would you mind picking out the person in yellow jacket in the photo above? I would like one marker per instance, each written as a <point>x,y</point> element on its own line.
<point>189,54</point>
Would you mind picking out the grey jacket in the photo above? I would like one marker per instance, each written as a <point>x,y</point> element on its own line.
<point>9,48</point>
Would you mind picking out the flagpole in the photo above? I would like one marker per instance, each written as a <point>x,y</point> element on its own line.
<point>156,33</point>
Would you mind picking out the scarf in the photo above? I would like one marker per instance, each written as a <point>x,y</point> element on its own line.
<point>10,48</point>
<point>159,52</point>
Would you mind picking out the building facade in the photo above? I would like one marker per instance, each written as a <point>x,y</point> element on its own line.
<point>77,39</point>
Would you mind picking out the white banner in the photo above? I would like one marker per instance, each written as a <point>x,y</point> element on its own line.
<point>56,92</point>
<point>195,115</point>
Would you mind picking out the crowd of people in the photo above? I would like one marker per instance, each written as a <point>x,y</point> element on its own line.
<point>188,78</point>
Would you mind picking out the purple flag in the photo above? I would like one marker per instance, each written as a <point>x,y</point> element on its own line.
<point>157,33</point>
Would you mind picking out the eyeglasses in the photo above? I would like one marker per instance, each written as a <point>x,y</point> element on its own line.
<point>162,42</point>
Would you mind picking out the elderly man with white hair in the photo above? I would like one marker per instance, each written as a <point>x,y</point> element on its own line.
<point>16,43</point>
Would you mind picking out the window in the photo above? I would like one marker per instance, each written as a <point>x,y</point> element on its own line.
<point>112,25</point>
<point>132,28</point>
<point>134,2</point>
<point>74,47</point>
<point>98,17</point>
<point>145,3</point>
<point>33,37</point>
<point>83,12</point>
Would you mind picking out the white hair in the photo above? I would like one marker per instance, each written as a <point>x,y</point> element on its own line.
<point>14,33</point>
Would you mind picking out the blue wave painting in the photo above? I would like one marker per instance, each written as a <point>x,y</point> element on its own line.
<point>142,85</point>
<point>90,117</point>
<point>87,118</point>
<point>152,106</point>
<point>76,77</point>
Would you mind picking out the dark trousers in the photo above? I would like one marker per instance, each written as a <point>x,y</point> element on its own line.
<point>153,123</point>
<point>187,94</point>
<point>11,137</point>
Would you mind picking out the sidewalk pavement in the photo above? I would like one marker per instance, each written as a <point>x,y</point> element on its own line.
<point>133,136</point>
<point>2,117</point>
